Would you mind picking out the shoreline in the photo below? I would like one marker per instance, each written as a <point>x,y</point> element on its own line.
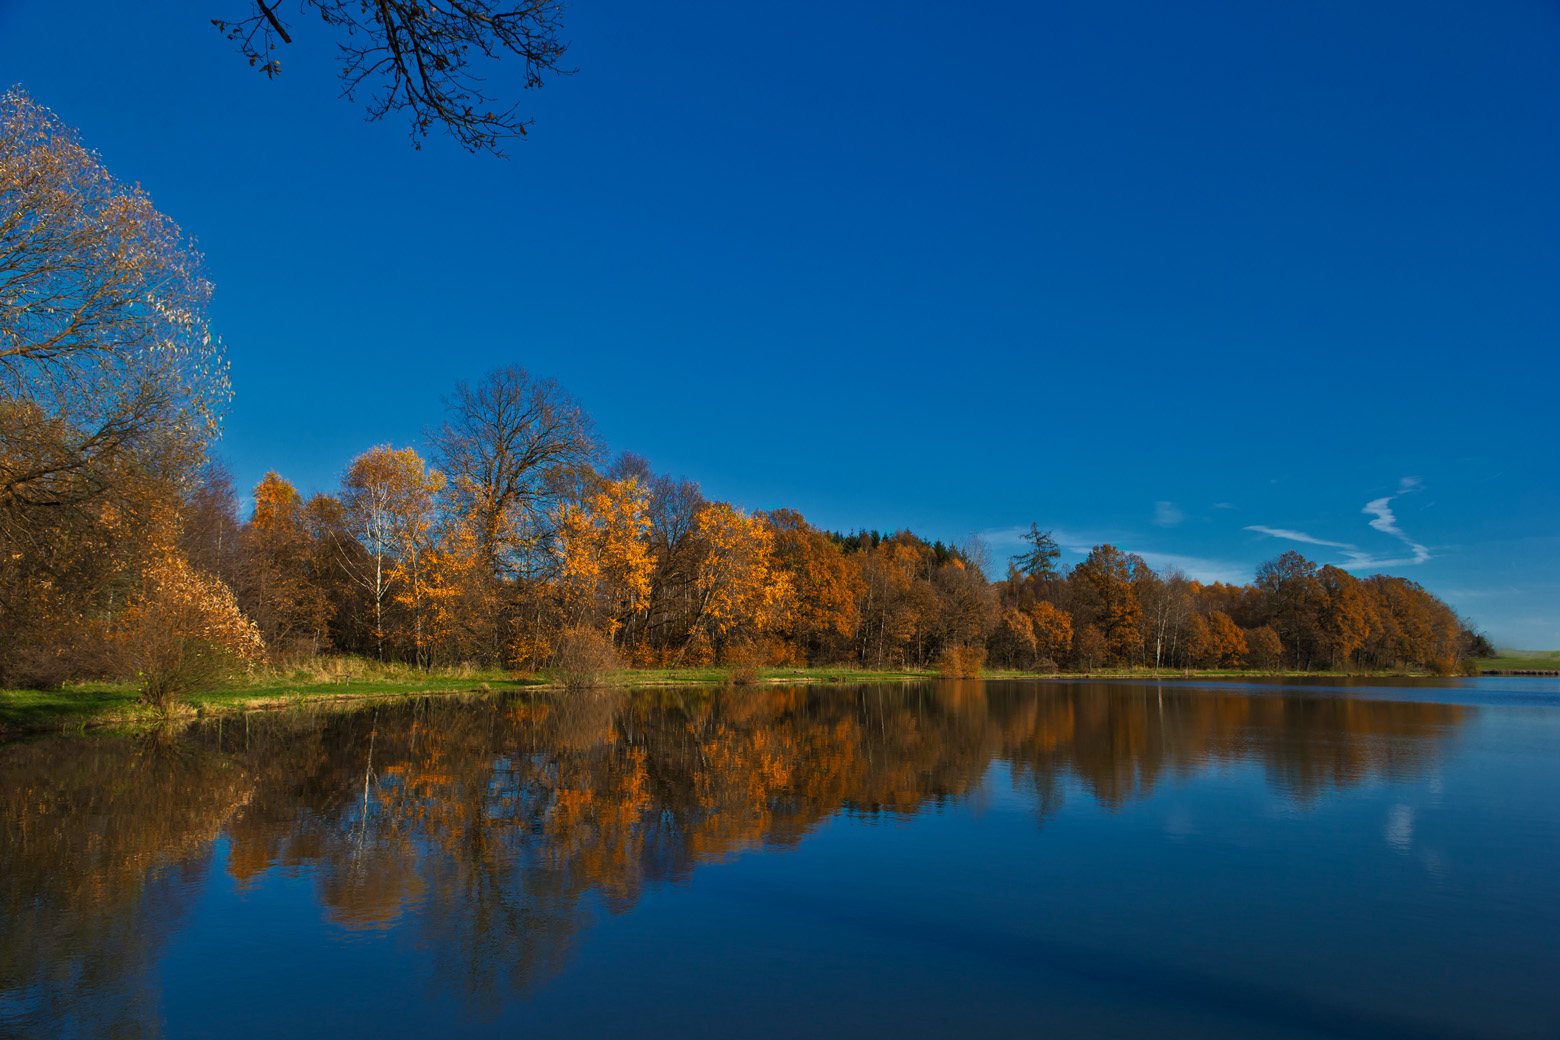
<point>26,713</point>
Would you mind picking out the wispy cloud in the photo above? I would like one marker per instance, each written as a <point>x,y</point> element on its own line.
<point>1167,515</point>
<point>1199,568</point>
<point>1224,505</point>
<point>1386,522</point>
<point>1297,536</point>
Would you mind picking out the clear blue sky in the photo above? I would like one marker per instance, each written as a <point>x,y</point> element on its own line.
<point>1176,276</point>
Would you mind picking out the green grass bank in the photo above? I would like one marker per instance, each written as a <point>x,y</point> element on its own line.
<point>339,681</point>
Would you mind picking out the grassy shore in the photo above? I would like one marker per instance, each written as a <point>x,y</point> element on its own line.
<point>332,681</point>
<point>1523,661</point>
<point>341,680</point>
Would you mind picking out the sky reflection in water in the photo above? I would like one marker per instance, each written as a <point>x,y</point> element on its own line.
<point>923,859</point>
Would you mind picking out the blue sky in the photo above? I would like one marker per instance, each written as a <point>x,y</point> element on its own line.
<point>1207,280</point>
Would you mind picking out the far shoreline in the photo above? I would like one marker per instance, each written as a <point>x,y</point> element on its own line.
<point>106,705</point>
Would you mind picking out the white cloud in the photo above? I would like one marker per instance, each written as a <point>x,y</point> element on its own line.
<point>1297,536</point>
<point>1386,522</point>
<point>1198,568</point>
<point>1167,515</point>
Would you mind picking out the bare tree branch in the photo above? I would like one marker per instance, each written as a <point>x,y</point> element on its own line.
<point>416,56</point>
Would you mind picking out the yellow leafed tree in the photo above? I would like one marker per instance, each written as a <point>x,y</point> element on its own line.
<point>740,590</point>
<point>604,556</point>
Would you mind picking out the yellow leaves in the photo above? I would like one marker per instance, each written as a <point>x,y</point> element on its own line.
<point>276,503</point>
<point>604,554</point>
<point>202,605</point>
<point>737,580</point>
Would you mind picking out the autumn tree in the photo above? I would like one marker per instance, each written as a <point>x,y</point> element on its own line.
<point>276,585</point>
<point>1200,647</point>
<point>740,590</point>
<point>1291,593</point>
<point>1343,614</point>
<point>417,57</point>
<point>1090,646</point>
<point>104,344</point>
<point>1013,641</point>
<point>1229,641</point>
<point>604,557</point>
<point>826,584</point>
<point>1108,576</point>
<point>1410,626</point>
<point>501,440</point>
<point>182,632</point>
<point>389,497</point>
<point>1053,630</point>
<point>1266,649</point>
<point>111,385</point>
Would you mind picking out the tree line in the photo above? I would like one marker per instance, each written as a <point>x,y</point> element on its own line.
<point>518,539</point>
<point>492,566</point>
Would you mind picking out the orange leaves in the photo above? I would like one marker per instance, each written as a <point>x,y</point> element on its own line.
<point>1229,642</point>
<point>604,554</point>
<point>1110,575</point>
<point>277,504</point>
<point>738,583</point>
<point>827,585</point>
<point>1053,630</point>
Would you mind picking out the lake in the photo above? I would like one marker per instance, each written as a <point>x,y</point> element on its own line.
<point>1052,858</point>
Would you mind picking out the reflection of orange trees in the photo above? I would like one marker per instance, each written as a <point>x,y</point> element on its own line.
<point>490,827</point>
<point>99,841</point>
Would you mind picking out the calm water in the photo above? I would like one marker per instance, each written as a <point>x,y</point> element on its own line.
<point>1056,859</point>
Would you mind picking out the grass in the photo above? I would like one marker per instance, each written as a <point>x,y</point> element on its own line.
<point>327,680</point>
<point>336,680</point>
<point>1523,660</point>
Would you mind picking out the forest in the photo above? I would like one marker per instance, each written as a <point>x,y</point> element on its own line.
<point>515,539</point>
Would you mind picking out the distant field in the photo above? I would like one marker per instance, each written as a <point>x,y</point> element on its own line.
<point>1523,660</point>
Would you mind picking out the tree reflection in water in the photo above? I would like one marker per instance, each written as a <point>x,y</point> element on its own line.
<point>490,827</point>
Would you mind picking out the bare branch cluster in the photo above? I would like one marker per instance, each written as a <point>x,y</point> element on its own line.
<point>417,56</point>
<point>507,444</point>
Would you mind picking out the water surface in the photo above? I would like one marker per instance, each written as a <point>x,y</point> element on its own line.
<point>925,859</point>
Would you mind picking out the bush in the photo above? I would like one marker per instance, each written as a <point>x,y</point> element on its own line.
<point>183,633</point>
<point>744,660</point>
<point>37,668</point>
<point>583,657</point>
<point>961,662</point>
<point>1046,666</point>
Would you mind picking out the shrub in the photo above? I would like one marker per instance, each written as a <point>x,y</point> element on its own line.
<point>1046,666</point>
<point>182,634</point>
<point>744,660</point>
<point>582,657</point>
<point>37,668</point>
<point>961,662</point>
